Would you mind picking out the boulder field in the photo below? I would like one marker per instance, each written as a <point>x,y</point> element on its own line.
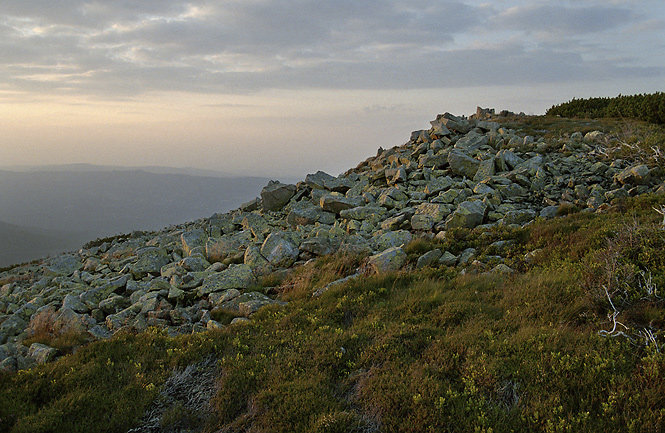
<point>462,172</point>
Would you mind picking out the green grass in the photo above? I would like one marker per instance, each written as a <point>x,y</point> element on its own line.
<point>410,351</point>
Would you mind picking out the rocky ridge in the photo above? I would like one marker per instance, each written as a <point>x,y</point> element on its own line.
<point>462,172</point>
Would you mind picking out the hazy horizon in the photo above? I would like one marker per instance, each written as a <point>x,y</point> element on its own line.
<point>271,89</point>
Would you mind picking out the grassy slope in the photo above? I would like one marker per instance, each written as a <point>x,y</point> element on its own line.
<point>417,350</point>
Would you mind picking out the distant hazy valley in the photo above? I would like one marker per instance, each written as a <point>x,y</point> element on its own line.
<point>47,210</point>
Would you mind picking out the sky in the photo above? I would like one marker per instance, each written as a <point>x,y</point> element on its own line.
<point>289,87</point>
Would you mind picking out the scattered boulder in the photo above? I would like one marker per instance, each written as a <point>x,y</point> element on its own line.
<point>391,259</point>
<point>468,214</point>
<point>235,277</point>
<point>42,353</point>
<point>279,251</point>
<point>275,195</point>
<point>636,175</point>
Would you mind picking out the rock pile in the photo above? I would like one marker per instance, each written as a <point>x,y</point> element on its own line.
<point>462,172</point>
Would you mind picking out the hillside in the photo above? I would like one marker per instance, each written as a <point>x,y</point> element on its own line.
<point>493,273</point>
<point>22,244</point>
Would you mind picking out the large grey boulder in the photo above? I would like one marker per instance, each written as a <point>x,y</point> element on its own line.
<point>12,326</point>
<point>486,170</point>
<point>42,353</point>
<point>235,277</point>
<point>471,142</point>
<point>429,258</point>
<point>249,307</point>
<point>439,128</point>
<point>67,320</point>
<point>303,215</point>
<point>392,239</point>
<point>462,164</point>
<point>255,260</point>
<point>318,179</point>
<point>519,216</point>
<point>257,225</point>
<point>193,239</point>
<point>361,213</point>
<point>393,198</point>
<point>389,260</point>
<point>64,265</point>
<point>74,302</point>
<point>428,215</point>
<point>150,261</point>
<point>279,251</point>
<point>636,175</point>
<point>454,123</point>
<point>438,184</point>
<point>228,245</point>
<point>275,195</point>
<point>336,203</point>
<point>319,246</point>
<point>468,214</point>
<point>507,160</point>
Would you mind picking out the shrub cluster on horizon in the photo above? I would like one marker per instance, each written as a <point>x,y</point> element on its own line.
<point>646,107</point>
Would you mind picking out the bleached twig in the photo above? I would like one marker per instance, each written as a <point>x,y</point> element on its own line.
<point>662,212</point>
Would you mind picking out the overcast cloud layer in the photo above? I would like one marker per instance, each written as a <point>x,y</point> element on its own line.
<point>119,50</point>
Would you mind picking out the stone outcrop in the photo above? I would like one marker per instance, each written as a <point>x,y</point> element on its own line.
<point>462,173</point>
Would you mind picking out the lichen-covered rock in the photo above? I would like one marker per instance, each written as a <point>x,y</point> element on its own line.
<point>64,265</point>
<point>255,260</point>
<point>335,203</point>
<point>275,195</point>
<point>391,239</point>
<point>193,239</point>
<point>462,164</point>
<point>519,216</point>
<point>471,142</point>
<point>507,160</point>
<point>12,326</point>
<point>363,212</point>
<point>150,261</point>
<point>219,249</point>
<point>235,277</point>
<point>448,259</point>
<point>429,258</point>
<point>279,251</point>
<point>636,175</point>
<point>42,353</point>
<point>303,215</point>
<point>391,259</point>
<point>318,179</point>
<point>250,307</point>
<point>468,214</point>
<point>438,184</point>
<point>74,302</point>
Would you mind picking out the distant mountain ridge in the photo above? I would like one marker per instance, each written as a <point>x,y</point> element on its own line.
<point>84,167</point>
<point>22,244</point>
<point>86,201</point>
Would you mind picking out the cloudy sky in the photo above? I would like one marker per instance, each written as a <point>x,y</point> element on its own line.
<point>287,87</point>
